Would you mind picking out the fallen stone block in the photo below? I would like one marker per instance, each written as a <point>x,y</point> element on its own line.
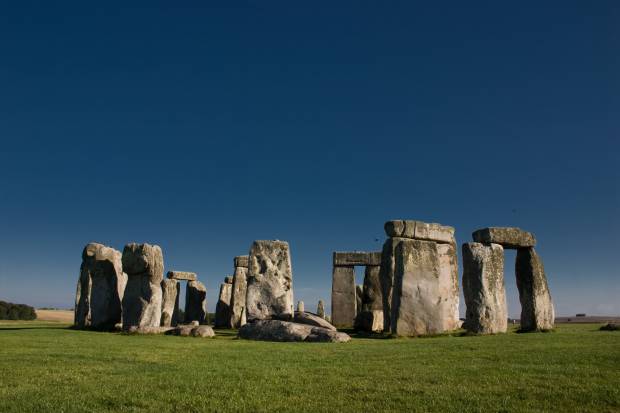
<point>313,320</point>
<point>276,330</point>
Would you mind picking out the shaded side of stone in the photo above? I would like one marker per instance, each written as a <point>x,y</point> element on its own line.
<point>195,302</point>
<point>170,302</point>
<point>449,286</point>
<point>222,308</point>
<point>237,301</point>
<point>386,276</point>
<point>343,297</point>
<point>537,312</point>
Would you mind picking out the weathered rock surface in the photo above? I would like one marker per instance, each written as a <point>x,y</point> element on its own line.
<point>237,301</point>
<point>300,306</point>
<point>276,330</point>
<point>144,265</point>
<point>507,237</point>
<point>420,230</point>
<point>312,319</point>
<point>101,287</point>
<point>170,302</point>
<point>343,297</point>
<point>386,275</point>
<point>449,286</point>
<point>222,308</point>
<point>537,312</point>
<point>270,281</point>
<point>320,309</point>
<point>372,302</point>
<point>417,303</point>
<point>195,302</point>
<point>182,275</point>
<point>203,331</point>
<point>484,289</point>
<point>148,330</point>
<point>348,259</point>
<point>191,330</point>
<point>242,261</point>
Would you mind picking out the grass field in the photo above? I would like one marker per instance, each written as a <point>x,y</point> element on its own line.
<point>45,367</point>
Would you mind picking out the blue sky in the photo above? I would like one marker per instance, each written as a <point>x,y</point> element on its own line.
<point>202,127</point>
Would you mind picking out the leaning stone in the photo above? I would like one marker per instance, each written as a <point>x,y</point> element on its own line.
<point>507,237</point>
<point>343,296</point>
<point>170,302</point>
<point>242,261</point>
<point>195,302</point>
<point>101,287</point>
<point>320,309</point>
<point>313,320</point>
<point>276,330</point>
<point>416,299</point>
<point>203,331</point>
<point>144,265</point>
<point>347,259</point>
<point>270,281</point>
<point>484,289</point>
<point>300,306</point>
<point>537,313</point>
<point>182,275</point>
<point>237,301</point>
<point>222,309</point>
<point>228,279</point>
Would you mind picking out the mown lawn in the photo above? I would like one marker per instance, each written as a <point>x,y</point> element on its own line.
<point>45,367</point>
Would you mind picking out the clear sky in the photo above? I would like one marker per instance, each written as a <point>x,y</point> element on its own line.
<point>202,127</point>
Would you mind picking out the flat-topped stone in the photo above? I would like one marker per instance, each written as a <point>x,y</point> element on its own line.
<point>507,237</point>
<point>182,275</point>
<point>347,259</point>
<point>242,261</point>
<point>420,230</point>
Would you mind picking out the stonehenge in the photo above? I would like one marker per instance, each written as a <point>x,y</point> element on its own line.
<point>410,288</point>
<point>222,309</point>
<point>270,281</point>
<point>100,289</point>
<point>483,282</point>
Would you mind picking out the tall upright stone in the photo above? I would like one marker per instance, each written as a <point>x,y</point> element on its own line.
<point>301,308</point>
<point>144,265</point>
<point>170,302</point>
<point>449,285</point>
<point>195,302</point>
<point>417,304</point>
<point>222,308</point>
<point>270,281</point>
<point>101,287</point>
<point>239,289</point>
<point>537,312</point>
<point>343,297</point>
<point>320,309</point>
<point>484,289</point>
<point>370,317</point>
<point>388,267</point>
<point>359,291</point>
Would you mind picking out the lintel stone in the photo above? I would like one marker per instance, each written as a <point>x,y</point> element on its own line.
<point>420,230</point>
<point>507,237</point>
<point>242,261</point>
<point>347,259</point>
<point>182,275</point>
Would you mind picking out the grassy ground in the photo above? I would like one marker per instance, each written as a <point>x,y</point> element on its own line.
<point>45,367</point>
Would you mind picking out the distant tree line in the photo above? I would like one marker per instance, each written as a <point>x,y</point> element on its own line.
<point>10,311</point>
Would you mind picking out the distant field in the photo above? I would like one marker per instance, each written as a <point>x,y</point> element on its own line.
<point>62,316</point>
<point>48,368</point>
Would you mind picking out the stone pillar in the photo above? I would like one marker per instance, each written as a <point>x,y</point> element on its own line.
<point>387,278</point>
<point>239,289</point>
<point>416,296</point>
<point>144,265</point>
<point>320,309</point>
<point>359,291</point>
<point>170,302</point>
<point>101,287</point>
<point>343,297</point>
<point>270,281</point>
<point>484,289</point>
<point>449,285</point>
<point>301,308</point>
<point>371,316</point>
<point>537,313</point>
<point>222,309</point>
<point>195,302</point>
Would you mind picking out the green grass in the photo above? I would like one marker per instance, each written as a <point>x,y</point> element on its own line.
<point>45,367</point>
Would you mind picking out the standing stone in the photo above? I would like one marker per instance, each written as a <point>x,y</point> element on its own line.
<point>195,302</point>
<point>537,313</point>
<point>371,316</point>
<point>301,307</point>
<point>222,309</point>
<point>388,265</point>
<point>237,302</point>
<point>144,265</point>
<point>270,281</point>
<point>484,289</point>
<point>449,285</point>
<point>170,302</point>
<point>343,297</point>
<point>416,299</point>
<point>359,291</point>
<point>100,288</point>
<point>320,309</point>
